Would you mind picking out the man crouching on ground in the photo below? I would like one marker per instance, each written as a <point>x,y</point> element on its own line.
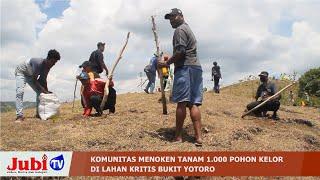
<point>93,92</point>
<point>265,90</point>
<point>187,85</point>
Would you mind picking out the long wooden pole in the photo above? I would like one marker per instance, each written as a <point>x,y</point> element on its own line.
<point>268,99</point>
<point>163,95</point>
<point>74,94</point>
<point>106,87</point>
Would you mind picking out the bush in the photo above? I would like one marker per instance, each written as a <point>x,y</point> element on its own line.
<point>309,83</point>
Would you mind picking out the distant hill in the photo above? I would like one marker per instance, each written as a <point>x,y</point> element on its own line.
<point>11,105</point>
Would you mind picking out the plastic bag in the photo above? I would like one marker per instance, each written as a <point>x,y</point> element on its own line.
<point>48,106</point>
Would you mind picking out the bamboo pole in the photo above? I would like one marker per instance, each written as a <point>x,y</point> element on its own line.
<point>106,87</point>
<point>74,94</point>
<point>163,95</point>
<point>268,99</point>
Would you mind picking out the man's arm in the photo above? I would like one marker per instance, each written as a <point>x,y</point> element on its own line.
<point>180,40</point>
<point>43,79</point>
<point>178,55</point>
<point>212,74</point>
<point>102,64</point>
<point>39,86</point>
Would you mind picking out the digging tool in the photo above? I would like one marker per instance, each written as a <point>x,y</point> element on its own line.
<point>268,99</point>
<point>106,87</point>
<point>74,94</point>
<point>163,95</point>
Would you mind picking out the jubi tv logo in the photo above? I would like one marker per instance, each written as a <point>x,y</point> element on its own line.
<point>32,164</point>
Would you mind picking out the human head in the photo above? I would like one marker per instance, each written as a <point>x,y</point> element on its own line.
<point>215,63</point>
<point>264,76</point>
<point>52,58</point>
<point>87,66</point>
<point>101,46</point>
<point>84,78</point>
<point>175,17</point>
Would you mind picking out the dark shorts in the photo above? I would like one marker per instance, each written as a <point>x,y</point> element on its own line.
<point>187,85</point>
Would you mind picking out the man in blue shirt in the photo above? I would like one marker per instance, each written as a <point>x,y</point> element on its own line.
<point>151,72</point>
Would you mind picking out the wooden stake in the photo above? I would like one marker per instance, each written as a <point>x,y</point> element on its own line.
<point>163,95</point>
<point>74,94</point>
<point>106,87</point>
<point>268,99</point>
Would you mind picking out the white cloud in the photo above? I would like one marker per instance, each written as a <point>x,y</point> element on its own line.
<point>236,34</point>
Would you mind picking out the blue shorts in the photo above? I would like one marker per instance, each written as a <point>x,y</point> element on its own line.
<point>187,85</point>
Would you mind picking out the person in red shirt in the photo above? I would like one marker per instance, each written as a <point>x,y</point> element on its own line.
<point>92,95</point>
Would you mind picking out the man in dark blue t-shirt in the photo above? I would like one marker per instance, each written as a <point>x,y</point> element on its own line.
<point>265,90</point>
<point>216,76</point>
<point>96,59</point>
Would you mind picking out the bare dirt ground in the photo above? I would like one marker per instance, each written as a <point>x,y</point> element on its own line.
<point>138,125</point>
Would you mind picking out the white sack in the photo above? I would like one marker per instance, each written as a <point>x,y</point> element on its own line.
<point>48,106</point>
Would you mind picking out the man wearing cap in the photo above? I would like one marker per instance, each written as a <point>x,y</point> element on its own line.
<point>187,85</point>
<point>216,76</point>
<point>33,71</point>
<point>96,59</point>
<point>265,90</point>
<point>92,95</point>
<point>87,67</point>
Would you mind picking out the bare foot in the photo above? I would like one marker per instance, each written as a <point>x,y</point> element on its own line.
<point>198,142</point>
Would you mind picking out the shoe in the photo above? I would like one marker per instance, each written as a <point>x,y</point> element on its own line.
<point>97,114</point>
<point>145,90</point>
<point>275,117</point>
<point>112,110</point>
<point>19,119</point>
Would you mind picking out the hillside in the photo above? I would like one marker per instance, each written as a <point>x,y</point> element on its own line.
<point>138,124</point>
<point>6,106</point>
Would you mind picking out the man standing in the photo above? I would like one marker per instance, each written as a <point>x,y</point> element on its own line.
<point>96,59</point>
<point>151,72</point>
<point>216,75</point>
<point>34,72</point>
<point>265,90</point>
<point>187,85</point>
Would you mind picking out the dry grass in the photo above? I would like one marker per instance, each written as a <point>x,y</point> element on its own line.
<point>138,125</point>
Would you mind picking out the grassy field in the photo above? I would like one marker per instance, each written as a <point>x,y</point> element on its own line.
<point>138,125</point>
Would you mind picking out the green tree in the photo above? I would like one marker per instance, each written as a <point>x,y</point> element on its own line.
<point>310,82</point>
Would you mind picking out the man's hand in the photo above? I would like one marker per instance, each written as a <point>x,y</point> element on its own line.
<point>162,63</point>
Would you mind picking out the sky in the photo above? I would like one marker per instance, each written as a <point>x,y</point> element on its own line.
<point>245,37</point>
